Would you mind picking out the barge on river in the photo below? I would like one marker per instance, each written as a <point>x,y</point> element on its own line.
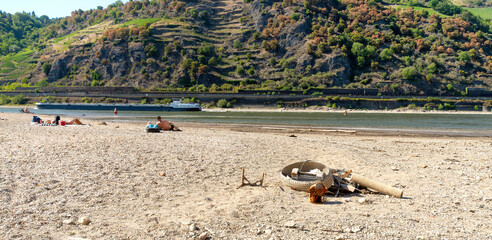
<point>174,106</point>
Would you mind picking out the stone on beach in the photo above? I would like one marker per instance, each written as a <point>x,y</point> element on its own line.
<point>84,221</point>
<point>203,236</point>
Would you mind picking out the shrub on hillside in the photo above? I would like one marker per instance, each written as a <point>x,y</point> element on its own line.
<point>222,103</point>
<point>19,99</point>
<point>46,68</point>
<point>409,73</point>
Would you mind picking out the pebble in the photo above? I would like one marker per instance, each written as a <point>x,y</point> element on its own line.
<point>192,227</point>
<point>84,221</point>
<point>203,236</point>
<point>395,168</point>
<point>346,200</point>
<point>290,224</point>
<point>356,229</point>
<point>352,230</point>
<point>185,222</point>
<point>362,200</point>
<point>423,166</point>
<point>268,232</point>
<point>162,174</point>
<point>68,222</point>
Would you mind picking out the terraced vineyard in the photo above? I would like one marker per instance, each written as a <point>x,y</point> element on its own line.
<point>18,66</point>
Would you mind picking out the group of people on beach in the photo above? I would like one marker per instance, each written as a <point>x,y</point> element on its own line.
<point>161,124</point>
<point>57,121</point>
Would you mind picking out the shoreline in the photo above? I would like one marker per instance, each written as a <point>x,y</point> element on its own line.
<point>295,128</point>
<point>311,110</point>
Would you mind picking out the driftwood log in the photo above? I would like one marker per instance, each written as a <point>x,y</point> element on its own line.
<point>382,188</point>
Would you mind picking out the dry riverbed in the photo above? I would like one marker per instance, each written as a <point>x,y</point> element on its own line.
<point>116,181</point>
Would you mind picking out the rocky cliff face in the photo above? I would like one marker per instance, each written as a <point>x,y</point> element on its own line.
<point>325,44</point>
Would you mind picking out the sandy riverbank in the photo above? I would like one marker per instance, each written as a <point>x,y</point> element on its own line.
<point>137,185</point>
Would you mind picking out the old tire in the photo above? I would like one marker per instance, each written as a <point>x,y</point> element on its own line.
<point>304,185</point>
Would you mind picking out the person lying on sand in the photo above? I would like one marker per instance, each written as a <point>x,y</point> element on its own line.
<point>166,125</point>
<point>74,121</point>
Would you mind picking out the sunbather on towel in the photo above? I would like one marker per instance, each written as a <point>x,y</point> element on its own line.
<point>166,125</point>
<point>74,121</point>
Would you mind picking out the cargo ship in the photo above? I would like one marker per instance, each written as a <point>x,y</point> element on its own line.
<point>174,106</point>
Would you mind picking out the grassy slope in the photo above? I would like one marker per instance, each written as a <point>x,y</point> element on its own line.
<point>430,10</point>
<point>485,13</point>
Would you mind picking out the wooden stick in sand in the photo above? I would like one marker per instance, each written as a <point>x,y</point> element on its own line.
<point>382,188</point>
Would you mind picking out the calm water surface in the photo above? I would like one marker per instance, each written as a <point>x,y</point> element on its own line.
<point>409,121</point>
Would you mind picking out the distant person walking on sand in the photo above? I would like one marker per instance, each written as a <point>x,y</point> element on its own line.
<point>115,112</point>
<point>166,125</point>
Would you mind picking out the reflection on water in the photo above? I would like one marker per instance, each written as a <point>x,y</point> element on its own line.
<point>476,122</point>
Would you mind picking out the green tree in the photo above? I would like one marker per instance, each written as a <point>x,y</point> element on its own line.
<point>206,50</point>
<point>43,83</point>
<point>19,99</point>
<point>46,68</point>
<point>450,87</point>
<point>4,99</point>
<point>386,54</point>
<point>240,70</point>
<point>202,59</point>
<point>213,61</point>
<point>222,103</point>
<point>464,56</point>
<point>203,15</point>
<point>409,73</point>
<point>237,44</point>
<point>432,68</point>
<point>473,54</point>
<point>251,71</point>
<point>96,75</point>
<point>150,50</point>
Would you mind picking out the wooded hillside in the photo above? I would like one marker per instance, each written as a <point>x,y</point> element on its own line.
<point>205,45</point>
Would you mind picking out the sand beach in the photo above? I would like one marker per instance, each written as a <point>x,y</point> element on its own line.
<point>115,181</point>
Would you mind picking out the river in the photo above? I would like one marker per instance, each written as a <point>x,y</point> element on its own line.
<point>475,124</point>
